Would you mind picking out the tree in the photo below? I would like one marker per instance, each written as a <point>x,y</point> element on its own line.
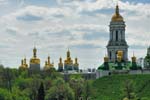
<point>5,95</point>
<point>18,94</point>
<point>7,76</point>
<point>87,90</point>
<point>60,91</point>
<point>34,84</point>
<point>129,91</point>
<point>41,93</point>
<point>77,84</point>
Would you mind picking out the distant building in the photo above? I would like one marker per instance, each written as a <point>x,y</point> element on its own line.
<point>48,64</point>
<point>34,62</point>
<point>147,59</point>
<point>60,65</point>
<point>23,65</point>
<point>117,47</point>
<point>68,64</point>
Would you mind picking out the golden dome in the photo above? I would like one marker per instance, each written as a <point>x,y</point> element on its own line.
<point>133,58</point>
<point>48,64</point>
<point>117,16</point>
<point>23,65</point>
<point>106,59</point>
<point>34,59</point>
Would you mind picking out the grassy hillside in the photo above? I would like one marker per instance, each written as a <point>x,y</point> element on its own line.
<point>111,87</point>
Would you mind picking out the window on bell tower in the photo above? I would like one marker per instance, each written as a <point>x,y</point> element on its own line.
<point>116,35</point>
<point>110,54</point>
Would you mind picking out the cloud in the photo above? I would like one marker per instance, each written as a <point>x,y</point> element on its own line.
<point>81,25</point>
<point>85,46</point>
<point>29,18</point>
<point>3,2</point>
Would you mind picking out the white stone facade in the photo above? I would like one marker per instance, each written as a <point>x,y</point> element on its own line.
<point>117,41</point>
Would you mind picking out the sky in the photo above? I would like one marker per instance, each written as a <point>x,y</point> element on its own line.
<point>53,26</point>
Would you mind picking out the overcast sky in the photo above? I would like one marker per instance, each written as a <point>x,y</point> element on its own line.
<point>80,25</point>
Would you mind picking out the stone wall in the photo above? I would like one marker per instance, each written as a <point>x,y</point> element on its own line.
<point>101,73</point>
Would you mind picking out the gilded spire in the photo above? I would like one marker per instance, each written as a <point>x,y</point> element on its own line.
<point>34,52</point>
<point>60,60</point>
<point>68,54</point>
<point>46,63</point>
<point>117,9</point>
<point>25,60</point>
<point>117,16</point>
<point>22,62</point>
<point>76,60</point>
<point>133,58</point>
<point>48,59</point>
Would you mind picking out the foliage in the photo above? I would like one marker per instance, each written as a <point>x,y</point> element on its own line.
<point>41,92</point>
<point>111,87</point>
<point>20,85</point>
<point>5,95</point>
<point>77,84</point>
<point>60,91</point>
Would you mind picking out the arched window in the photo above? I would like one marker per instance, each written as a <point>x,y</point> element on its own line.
<point>116,35</point>
<point>110,54</point>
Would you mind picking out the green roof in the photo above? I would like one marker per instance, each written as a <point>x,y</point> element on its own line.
<point>112,65</point>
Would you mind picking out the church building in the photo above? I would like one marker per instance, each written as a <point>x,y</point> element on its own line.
<point>48,64</point>
<point>23,65</point>
<point>117,45</point>
<point>68,64</point>
<point>34,62</point>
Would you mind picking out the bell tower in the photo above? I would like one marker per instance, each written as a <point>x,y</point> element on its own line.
<point>117,41</point>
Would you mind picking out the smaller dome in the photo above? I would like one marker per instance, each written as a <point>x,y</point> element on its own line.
<point>117,16</point>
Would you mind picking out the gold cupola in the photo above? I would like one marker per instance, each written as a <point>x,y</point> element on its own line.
<point>21,64</point>
<point>76,60</point>
<point>34,59</point>
<point>117,17</point>
<point>68,59</point>
<point>68,54</point>
<point>48,58</point>
<point>60,60</point>
<point>76,64</point>
<point>133,58</point>
<point>48,64</point>
<point>60,64</point>
<point>25,63</point>
<point>106,59</point>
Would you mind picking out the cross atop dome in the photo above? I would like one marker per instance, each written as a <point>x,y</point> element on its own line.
<point>117,17</point>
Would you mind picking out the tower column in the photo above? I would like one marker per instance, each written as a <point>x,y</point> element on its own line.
<point>114,35</point>
<point>119,35</point>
